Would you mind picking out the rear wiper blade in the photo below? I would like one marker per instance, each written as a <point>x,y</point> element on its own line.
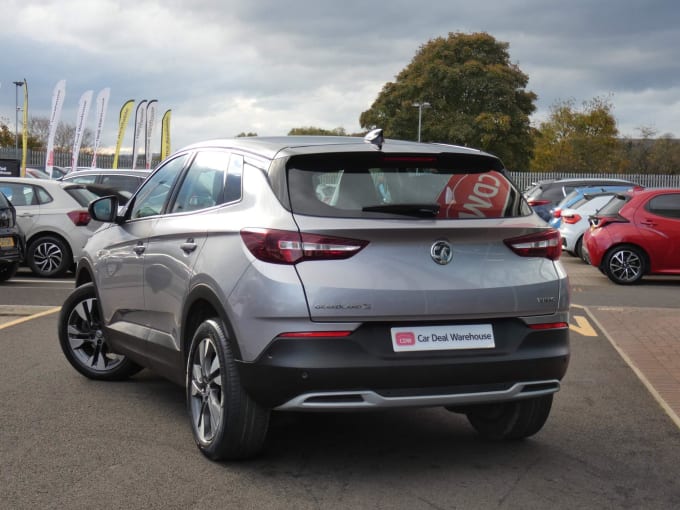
<point>417,210</point>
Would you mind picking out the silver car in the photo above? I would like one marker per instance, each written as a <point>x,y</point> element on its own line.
<point>55,220</point>
<point>325,274</point>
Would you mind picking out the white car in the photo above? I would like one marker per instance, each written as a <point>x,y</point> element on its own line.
<point>575,221</point>
<point>54,218</point>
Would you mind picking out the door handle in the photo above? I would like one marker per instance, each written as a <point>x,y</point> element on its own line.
<point>25,215</point>
<point>188,246</point>
<point>139,249</point>
<point>648,223</point>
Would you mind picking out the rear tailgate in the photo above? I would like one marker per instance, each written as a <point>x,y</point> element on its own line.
<point>395,277</point>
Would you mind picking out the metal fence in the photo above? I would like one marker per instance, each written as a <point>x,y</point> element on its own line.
<point>36,159</point>
<point>525,179</point>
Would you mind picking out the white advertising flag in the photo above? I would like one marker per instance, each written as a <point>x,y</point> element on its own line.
<point>140,123</point>
<point>150,123</point>
<point>57,103</point>
<point>83,111</point>
<point>102,104</point>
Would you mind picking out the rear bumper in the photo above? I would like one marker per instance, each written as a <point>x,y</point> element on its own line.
<point>362,371</point>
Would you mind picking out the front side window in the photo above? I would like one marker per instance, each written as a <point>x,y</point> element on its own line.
<point>438,186</point>
<point>154,193</point>
<point>203,185</point>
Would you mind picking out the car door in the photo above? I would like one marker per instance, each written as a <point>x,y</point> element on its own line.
<point>659,223</point>
<point>120,271</point>
<point>173,247</point>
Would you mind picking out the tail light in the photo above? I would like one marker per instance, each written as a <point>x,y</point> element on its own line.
<point>546,244</point>
<point>535,201</point>
<point>79,218</point>
<point>286,247</point>
<point>572,218</point>
<point>557,213</point>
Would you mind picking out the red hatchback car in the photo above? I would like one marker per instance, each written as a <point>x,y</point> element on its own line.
<point>636,233</point>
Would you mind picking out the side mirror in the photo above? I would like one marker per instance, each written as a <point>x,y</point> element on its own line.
<point>104,209</point>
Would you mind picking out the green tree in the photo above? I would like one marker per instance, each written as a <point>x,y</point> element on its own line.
<point>311,130</point>
<point>573,140</point>
<point>478,98</point>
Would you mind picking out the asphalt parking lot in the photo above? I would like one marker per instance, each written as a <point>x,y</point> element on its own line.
<point>612,441</point>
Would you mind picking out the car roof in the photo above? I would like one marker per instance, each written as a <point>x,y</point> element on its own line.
<point>281,146</point>
<point>102,171</point>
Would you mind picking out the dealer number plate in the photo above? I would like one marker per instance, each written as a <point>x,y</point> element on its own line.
<point>439,338</point>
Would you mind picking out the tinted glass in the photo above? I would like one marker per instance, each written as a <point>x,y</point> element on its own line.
<point>613,207</point>
<point>81,195</point>
<point>122,182</point>
<point>665,205</point>
<point>385,186</point>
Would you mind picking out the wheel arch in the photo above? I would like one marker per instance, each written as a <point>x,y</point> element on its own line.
<point>48,233</point>
<point>201,304</point>
<point>645,255</point>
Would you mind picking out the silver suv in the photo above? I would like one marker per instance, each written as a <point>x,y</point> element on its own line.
<point>325,274</point>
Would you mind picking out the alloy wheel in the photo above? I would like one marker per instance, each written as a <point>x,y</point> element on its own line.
<point>626,265</point>
<point>206,391</point>
<point>48,257</point>
<point>86,338</point>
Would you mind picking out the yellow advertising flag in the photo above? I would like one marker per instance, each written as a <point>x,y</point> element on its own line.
<point>24,137</point>
<point>165,135</point>
<point>124,117</point>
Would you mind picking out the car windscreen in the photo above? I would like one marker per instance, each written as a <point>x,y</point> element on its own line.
<point>450,186</point>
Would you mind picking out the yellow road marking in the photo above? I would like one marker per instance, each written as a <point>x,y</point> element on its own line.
<point>582,326</point>
<point>30,317</point>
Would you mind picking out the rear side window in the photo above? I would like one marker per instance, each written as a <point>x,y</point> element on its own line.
<point>382,186</point>
<point>81,195</point>
<point>665,205</point>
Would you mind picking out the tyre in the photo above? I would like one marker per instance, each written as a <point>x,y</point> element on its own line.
<point>578,249</point>
<point>226,423</point>
<point>49,256</point>
<point>511,420</point>
<point>624,264</point>
<point>7,270</point>
<point>83,341</point>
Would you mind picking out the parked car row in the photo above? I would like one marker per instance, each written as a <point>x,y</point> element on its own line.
<point>626,232</point>
<point>52,216</point>
<point>636,233</point>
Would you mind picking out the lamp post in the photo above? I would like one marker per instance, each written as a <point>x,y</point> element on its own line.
<point>17,84</point>
<point>420,106</point>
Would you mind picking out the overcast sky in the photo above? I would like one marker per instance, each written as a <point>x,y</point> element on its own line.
<point>266,66</point>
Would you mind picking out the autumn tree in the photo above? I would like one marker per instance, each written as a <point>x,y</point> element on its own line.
<point>311,130</point>
<point>578,140</point>
<point>649,154</point>
<point>6,136</point>
<point>39,127</point>
<point>477,98</point>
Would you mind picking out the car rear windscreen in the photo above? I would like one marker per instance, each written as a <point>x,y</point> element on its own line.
<point>383,185</point>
